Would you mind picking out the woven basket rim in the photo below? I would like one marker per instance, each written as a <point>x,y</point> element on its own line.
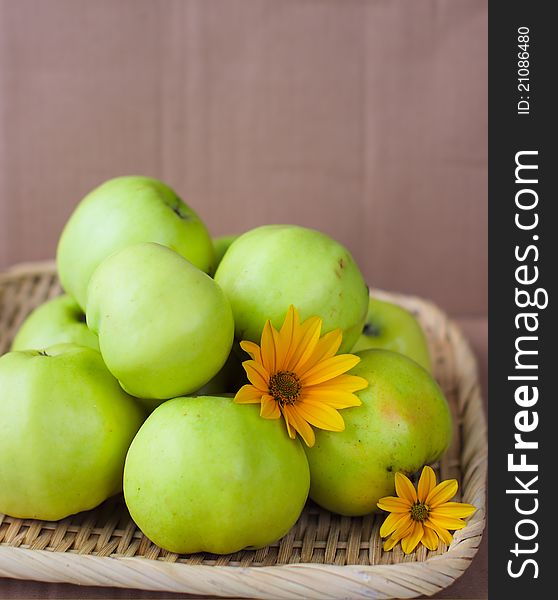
<point>309,580</point>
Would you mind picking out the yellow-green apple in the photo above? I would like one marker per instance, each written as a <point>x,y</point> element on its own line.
<point>269,268</point>
<point>125,211</point>
<point>165,328</point>
<point>404,422</point>
<point>57,321</point>
<point>221,245</point>
<point>207,475</point>
<point>228,380</point>
<point>65,428</point>
<point>391,327</point>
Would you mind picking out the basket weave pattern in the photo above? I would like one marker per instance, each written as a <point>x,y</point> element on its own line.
<point>323,556</point>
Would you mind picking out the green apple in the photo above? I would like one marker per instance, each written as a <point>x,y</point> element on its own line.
<point>221,245</point>
<point>228,380</point>
<point>207,475</point>
<point>65,428</point>
<point>269,268</point>
<point>125,211</point>
<point>404,422</point>
<point>56,321</point>
<point>391,327</point>
<point>165,328</point>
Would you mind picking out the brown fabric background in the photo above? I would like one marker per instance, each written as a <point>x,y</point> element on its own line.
<point>365,119</point>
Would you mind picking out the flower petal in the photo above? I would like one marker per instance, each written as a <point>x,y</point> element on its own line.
<point>430,539</point>
<point>459,510</point>
<point>268,348</point>
<point>426,484</point>
<point>392,522</point>
<point>333,399</point>
<point>270,408</point>
<point>326,347</point>
<point>410,541</point>
<point>450,523</point>
<point>443,492</point>
<point>329,368</point>
<point>280,350</point>
<point>286,337</point>
<point>390,543</point>
<point>305,431</point>
<point>309,334</point>
<point>257,375</point>
<point>290,429</point>
<point>248,394</point>
<point>404,529</point>
<point>321,416</point>
<point>442,533</point>
<point>252,349</point>
<point>345,383</point>
<point>394,504</point>
<point>283,339</point>
<point>404,488</point>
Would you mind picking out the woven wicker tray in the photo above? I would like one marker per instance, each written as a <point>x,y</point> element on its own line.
<point>324,556</point>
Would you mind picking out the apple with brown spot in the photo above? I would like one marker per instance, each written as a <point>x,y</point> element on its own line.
<point>404,422</point>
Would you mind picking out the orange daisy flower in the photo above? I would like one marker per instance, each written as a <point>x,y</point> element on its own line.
<point>296,373</point>
<point>424,515</point>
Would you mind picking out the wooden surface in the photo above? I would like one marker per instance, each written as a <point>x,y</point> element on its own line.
<point>365,119</point>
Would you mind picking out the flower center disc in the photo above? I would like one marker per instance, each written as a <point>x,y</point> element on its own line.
<point>419,511</point>
<point>285,387</point>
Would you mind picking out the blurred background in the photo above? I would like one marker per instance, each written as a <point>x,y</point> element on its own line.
<point>364,119</point>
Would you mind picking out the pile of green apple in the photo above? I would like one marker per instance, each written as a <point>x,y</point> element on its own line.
<point>126,382</point>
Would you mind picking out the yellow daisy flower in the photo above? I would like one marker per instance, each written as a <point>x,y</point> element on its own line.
<point>424,515</point>
<point>295,373</point>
